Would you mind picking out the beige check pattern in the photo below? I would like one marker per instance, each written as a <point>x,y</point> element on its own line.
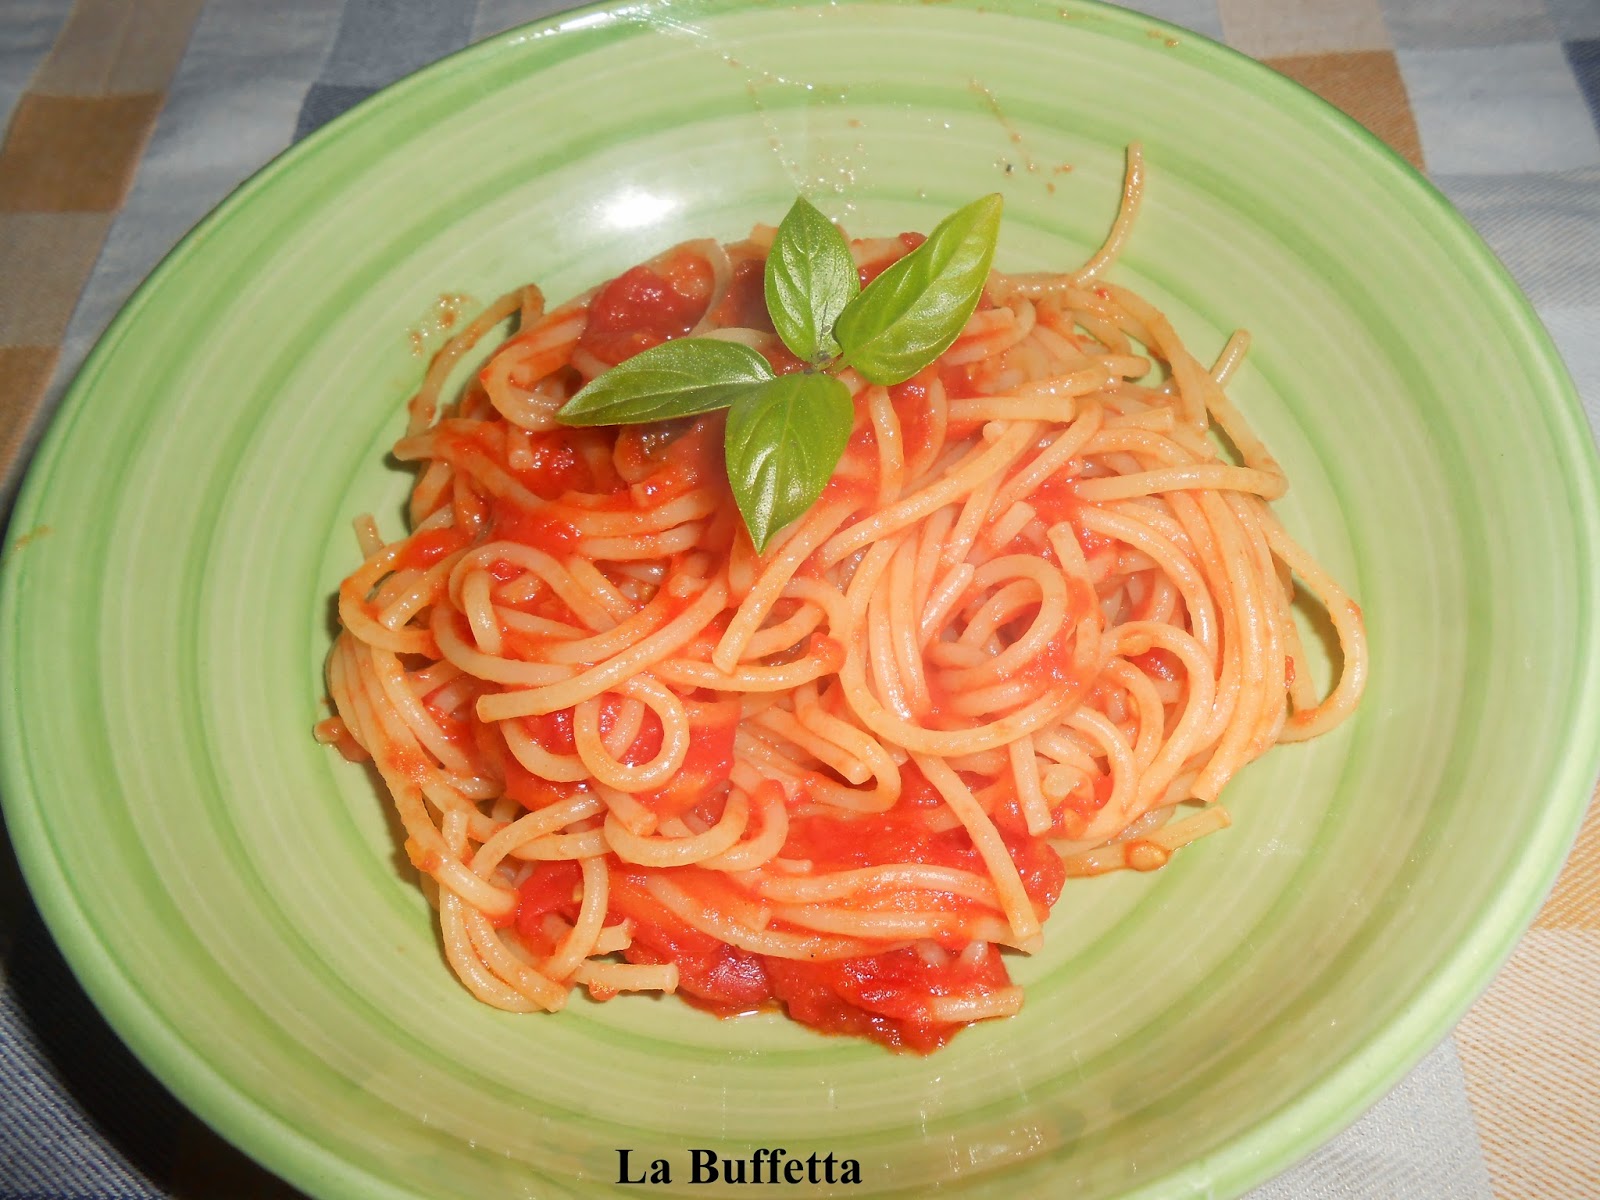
<point>68,159</point>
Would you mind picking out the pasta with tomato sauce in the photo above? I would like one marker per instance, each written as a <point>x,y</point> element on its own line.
<point>1036,621</point>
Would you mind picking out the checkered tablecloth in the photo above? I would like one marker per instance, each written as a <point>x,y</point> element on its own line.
<point>127,120</point>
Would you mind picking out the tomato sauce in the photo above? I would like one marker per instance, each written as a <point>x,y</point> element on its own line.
<point>869,271</point>
<point>1161,664</point>
<point>1056,500</point>
<point>425,549</point>
<point>915,414</point>
<point>688,455</point>
<point>707,765</point>
<point>744,306</point>
<point>646,744</point>
<point>711,973</point>
<point>538,528</point>
<point>552,887</point>
<point>883,997</point>
<point>553,732</point>
<point>1053,664</point>
<point>646,306</point>
<point>960,383</point>
<point>1090,798</point>
<point>902,835</point>
<point>559,465</point>
<point>855,489</point>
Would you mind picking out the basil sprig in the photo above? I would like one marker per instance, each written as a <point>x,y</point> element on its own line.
<point>786,434</point>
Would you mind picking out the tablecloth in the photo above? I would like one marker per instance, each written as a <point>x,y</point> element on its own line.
<point>127,120</point>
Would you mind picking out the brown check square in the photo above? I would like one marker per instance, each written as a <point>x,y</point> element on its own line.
<point>74,153</point>
<point>1366,84</point>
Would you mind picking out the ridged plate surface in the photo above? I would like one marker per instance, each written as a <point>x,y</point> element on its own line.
<point>232,894</point>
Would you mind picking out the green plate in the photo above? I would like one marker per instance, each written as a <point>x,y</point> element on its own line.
<point>229,892</point>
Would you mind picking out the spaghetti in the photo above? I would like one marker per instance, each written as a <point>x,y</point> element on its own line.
<point>1034,624</point>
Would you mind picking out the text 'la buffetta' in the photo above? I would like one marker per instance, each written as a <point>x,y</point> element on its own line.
<point>762,1166</point>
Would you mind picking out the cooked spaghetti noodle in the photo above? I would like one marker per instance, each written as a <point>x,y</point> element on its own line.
<point>1033,626</point>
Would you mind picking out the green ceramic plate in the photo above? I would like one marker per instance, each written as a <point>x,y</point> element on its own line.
<point>229,891</point>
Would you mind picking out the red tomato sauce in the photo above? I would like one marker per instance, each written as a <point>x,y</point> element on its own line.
<point>646,306</point>
<point>707,765</point>
<point>1163,664</point>
<point>884,997</point>
<point>915,414</point>
<point>424,549</point>
<point>1056,500</point>
<point>553,887</point>
<point>744,305</point>
<point>902,835</point>
<point>960,383</point>
<point>559,465</point>
<point>553,732</point>
<point>871,270</point>
<point>646,743</point>
<point>692,458</point>
<point>711,973</point>
<point>538,528</point>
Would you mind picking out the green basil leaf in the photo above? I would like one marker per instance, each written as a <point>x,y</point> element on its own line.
<point>910,314</point>
<point>784,439</point>
<point>680,378</point>
<point>810,278</point>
